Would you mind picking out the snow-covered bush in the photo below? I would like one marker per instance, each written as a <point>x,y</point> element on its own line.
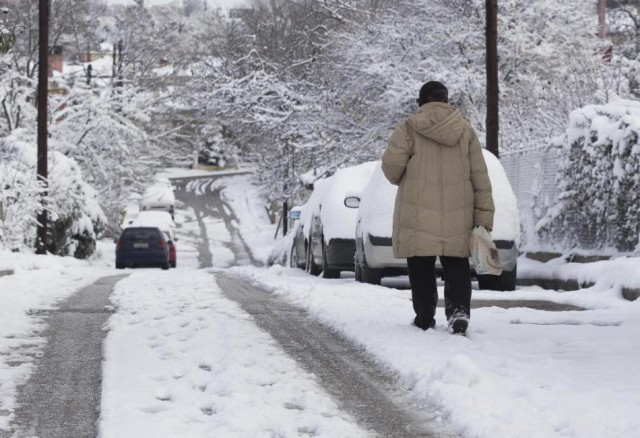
<point>19,203</point>
<point>75,215</point>
<point>598,206</point>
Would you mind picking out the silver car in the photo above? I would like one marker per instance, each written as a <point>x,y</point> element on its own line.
<point>374,255</point>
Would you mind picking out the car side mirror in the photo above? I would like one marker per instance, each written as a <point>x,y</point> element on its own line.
<point>352,202</point>
<point>294,215</point>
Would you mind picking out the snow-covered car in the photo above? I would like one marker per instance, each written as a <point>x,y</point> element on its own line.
<point>374,254</point>
<point>327,225</point>
<point>163,221</point>
<point>159,197</point>
<point>300,244</point>
<point>281,253</point>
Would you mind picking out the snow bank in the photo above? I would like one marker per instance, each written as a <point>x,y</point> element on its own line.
<point>519,372</point>
<point>623,272</point>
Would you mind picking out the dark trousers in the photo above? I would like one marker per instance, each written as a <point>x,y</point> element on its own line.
<point>424,290</point>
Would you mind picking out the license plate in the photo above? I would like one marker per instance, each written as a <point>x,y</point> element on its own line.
<point>141,245</point>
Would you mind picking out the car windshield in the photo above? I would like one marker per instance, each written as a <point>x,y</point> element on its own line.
<point>146,234</point>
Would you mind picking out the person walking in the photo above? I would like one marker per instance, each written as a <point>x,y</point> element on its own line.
<point>444,192</point>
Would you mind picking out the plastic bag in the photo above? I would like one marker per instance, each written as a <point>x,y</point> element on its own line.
<point>484,252</point>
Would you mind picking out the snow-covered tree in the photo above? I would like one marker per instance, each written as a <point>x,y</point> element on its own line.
<point>76,216</point>
<point>598,204</point>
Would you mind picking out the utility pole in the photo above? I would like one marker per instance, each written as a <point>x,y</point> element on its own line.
<point>493,117</point>
<point>602,18</point>
<point>43,95</point>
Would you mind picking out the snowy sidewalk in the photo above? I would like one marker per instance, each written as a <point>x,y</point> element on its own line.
<point>520,372</point>
<point>621,274</point>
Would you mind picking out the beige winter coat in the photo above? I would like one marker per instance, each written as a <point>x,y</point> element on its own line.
<point>444,190</point>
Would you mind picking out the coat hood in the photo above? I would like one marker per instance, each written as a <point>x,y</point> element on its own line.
<point>439,122</point>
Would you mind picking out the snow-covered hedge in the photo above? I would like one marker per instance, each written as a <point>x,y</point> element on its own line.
<point>598,206</point>
<point>75,215</point>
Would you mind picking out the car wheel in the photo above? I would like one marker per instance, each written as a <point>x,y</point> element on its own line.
<point>358,262</point>
<point>327,272</point>
<point>370,275</point>
<point>312,268</point>
<point>119,265</point>
<point>293,259</point>
<point>165,266</point>
<point>503,282</point>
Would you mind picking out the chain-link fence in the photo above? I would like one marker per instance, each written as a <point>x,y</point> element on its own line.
<point>532,173</point>
<point>533,176</point>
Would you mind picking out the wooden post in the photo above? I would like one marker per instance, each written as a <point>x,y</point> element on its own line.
<point>43,82</point>
<point>285,218</point>
<point>493,117</point>
<point>602,18</point>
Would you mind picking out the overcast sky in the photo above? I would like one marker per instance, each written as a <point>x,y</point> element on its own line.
<point>212,3</point>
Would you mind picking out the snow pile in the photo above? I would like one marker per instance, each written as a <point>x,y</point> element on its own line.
<point>623,272</point>
<point>598,205</point>
<point>520,372</point>
<point>182,360</point>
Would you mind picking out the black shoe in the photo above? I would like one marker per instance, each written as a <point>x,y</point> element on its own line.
<point>420,324</point>
<point>458,324</point>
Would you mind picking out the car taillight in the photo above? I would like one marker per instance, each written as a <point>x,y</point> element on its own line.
<point>162,244</point>
<point>120,245</point>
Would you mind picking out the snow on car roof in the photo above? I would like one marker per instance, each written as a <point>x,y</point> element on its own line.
<point>157,219</point>
<point>338,220</point>
<point>378,202</point>
<point>506,221</point>
<point>320,187</point>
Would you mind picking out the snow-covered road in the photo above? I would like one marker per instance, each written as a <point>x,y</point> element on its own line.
<point>184,359</point>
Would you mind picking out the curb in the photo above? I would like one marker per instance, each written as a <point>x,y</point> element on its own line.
<point>629,294</point>
<point>6,272</point>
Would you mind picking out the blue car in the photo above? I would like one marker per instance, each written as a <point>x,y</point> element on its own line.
<point>142,247</point>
